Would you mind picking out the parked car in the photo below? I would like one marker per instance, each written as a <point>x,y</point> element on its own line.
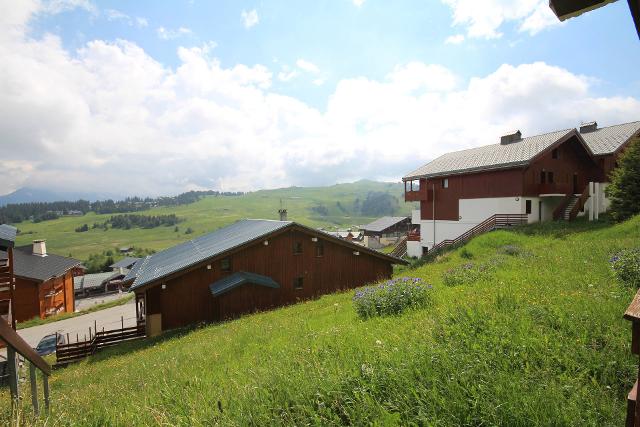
<point>47,345</point>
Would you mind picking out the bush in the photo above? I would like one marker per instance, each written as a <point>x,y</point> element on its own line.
<point>392,297</point>
<point>466,254</point>
<point>626,267</point>
<point>468,273</point>
<point>512,250</point>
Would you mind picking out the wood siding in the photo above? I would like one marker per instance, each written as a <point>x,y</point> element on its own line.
<point>499,183</point>
<point>43,299</point>
<point>187,298</point>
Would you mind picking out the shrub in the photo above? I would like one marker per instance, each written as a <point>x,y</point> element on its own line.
<point>465,253</point>
<point>624,190</point>
<point>392,297</point>
<point>626,267</point>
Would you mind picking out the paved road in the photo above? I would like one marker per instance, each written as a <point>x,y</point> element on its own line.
<point>108,318</point>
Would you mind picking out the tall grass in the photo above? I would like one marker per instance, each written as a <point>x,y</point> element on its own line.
<point>539,341</point>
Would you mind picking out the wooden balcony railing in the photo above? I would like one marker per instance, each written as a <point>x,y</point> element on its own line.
<point>417,195</point>
<point>554,188</point>
<point>414,236</point>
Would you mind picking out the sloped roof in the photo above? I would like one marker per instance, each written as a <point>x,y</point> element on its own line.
<point>125,262</point>
<point>7,235</point>
<point>89,281</point>
<point>238,279</point>
<point>608,139</point>
<point>488,157</point>
<point>193,252</point>
<point>383,223</point>
<point>35,267</point>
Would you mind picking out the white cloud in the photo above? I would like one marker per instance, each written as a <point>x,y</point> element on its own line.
<point>455,39</point>
<point>140,127</point>
<point>169,34</point>
<point>249,18</point>
<point>307,66</point>
<point>58,6</point>
<point>116,15</point>
<point>484,18</point>
<point>358,3</point>
<point>142,22</point>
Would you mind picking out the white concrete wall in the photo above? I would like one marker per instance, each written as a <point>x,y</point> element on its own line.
<point>415,216</point>
<point>477,210</point>
<point>414,249</point>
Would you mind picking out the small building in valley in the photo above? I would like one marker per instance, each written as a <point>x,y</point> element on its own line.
<point>43,282</point>
<point>247,266</point>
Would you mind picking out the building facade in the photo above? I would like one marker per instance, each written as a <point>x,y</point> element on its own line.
<point>557,175</point>
<point>251,265</point>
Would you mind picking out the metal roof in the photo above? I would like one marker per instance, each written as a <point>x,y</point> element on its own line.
<point>185,255</point>
<point>383,223</point>
<point>238,279</point>
<point>36,267</point>
<point>91,281</point>
<point>194,251</point>
<point>488,157</point>
<point>7,235</point>
<point>607,140</point>
<point>125,262</point>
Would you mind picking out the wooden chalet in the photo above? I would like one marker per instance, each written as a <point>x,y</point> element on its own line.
<point>385,231</point>
<point>43,282</point>
<point>247,266</point>
<point>7,242</point>
<point>557,175</point>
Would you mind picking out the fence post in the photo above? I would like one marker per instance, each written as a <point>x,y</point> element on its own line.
<point>34,388</point>
<point>45,382</point>
<point>122,322</point>
<point>12,367</point>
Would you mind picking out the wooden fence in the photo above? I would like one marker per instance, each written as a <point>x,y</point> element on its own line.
<point>73,352</point>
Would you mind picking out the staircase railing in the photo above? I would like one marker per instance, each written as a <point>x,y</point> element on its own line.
<point>579,203</point>
<point>400,249</point>
<point>558,212</point>
<point>493,222</point>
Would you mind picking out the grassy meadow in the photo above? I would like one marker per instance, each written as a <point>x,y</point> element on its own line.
<point>535,336</point>
<point>210,213</point>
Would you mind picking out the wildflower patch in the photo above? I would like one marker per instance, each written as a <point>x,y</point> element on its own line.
<point>626,267</point>
<point>392,297</point>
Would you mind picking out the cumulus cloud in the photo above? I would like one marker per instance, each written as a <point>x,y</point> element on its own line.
<point>484,18</point>
<point>116,15</point>
<point>455,39</point>
<point>110,118</point>
<point>169,34</point>
<point>307,66</point>
<point>358,3</point>
<point>249,18</point>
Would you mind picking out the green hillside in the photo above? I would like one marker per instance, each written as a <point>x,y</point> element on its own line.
<point>338,205</point>
<point>528,332</point>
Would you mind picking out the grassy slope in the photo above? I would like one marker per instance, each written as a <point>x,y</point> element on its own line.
<point>541,341</point>
<point>207,215</point>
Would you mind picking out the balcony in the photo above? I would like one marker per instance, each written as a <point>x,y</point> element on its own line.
<point>413,236</point>
<point>416,195</point>
<point>554,188</point>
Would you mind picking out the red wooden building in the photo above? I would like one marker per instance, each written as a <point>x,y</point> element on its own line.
<point>43,282</point>
<point>557,175</point>
<point>247,266</point>
<point>7,242</point>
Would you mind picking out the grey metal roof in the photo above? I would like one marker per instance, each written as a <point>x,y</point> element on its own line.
<point>607,140</point>
<point>30,266</point>
<point>194,251</point>
<point>383,223</point>
<point>7,235</point>
<point>494,156</point>
<point>125,262</point>
<point>238,279</point>
<point>92,281</point>
<point>177,258</point>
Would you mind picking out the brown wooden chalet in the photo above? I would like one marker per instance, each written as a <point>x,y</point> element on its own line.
<point>43,282</point>
<point>247,266</point>
<point>7,242</point>
<point>557,175</point>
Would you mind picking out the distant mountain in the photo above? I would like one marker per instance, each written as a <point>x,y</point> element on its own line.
<point>28,195</point>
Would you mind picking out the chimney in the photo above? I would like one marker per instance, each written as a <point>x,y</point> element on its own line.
<point>588,127</point>
<point>40,248</point>
<point>511,137</point>
<point>283,214</point>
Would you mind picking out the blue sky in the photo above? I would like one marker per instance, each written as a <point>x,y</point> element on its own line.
<point>305,92</point>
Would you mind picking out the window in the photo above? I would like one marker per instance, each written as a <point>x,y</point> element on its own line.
<point>550,177</point>
<point>297,248</point>
<point>225,264</point>
<point>543,177</point>
<point>445,183</point>
<point>554,154</point>
<point>528,206</point>
<point>297,282</point>
<point>319,249</point>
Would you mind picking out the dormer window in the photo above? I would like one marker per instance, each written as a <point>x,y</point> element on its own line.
<point>445,183</point>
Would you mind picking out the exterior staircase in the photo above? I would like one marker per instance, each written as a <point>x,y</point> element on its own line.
<point>571,205</point>
<point>571,202</point>
<point>400,249</point>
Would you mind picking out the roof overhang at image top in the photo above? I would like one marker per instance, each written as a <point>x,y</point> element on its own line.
<point>565,9</point>
<point>240,278</point>
<point>7,236</point>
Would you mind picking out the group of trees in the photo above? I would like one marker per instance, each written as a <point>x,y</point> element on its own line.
<point>624,187</point>
<point>128,221</point>
<point>100,262</point>
<point>377,203</point>
<point>36,212</point>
